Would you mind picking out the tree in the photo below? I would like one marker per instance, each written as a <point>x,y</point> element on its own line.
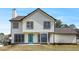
<point>1,33</point>
<point>58,23</point>
<point>1,37</point>
<point>64,26</point>
<point>72,26</point>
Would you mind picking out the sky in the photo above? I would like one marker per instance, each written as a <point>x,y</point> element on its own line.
<point>66,15</point>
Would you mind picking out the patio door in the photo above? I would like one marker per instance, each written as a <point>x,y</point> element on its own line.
<point>30,38</point>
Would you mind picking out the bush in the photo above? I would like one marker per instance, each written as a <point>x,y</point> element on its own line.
<point>5,42</point>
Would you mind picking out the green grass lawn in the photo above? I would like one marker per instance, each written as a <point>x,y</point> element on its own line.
<point>40,48</point>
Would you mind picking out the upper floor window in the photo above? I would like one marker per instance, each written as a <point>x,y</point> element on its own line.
<point>47,25</point>
<point>29,25</point>
<point>15,25</point>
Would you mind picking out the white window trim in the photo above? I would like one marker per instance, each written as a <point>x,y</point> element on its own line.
<point>47,38</point>
<point>20,39</point>
<point>13,25</point>
<point>30,25</point>
<point>44,24</point>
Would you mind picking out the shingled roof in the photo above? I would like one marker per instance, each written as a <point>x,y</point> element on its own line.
<point>17,18</point>
<point>22,17</point>
<point>65,31</point>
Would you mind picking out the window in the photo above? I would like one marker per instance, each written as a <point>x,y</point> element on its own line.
<point>29,25</point>
<point>18,38</point>
<point>15,25</point>
<point>47,25</point>
<point>44,38</point>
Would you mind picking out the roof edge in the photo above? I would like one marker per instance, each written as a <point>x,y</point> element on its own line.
<point>40,10</point>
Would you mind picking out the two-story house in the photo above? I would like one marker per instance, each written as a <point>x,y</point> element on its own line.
<point>39,27</point>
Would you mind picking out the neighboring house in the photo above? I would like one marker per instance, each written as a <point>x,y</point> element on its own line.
<point>38,27</point>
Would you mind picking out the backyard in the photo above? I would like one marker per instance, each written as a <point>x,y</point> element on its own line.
<point>40,48</point>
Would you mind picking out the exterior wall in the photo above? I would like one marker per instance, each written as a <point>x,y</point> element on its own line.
<point>38,19</point>
<point>16,31</point>
<point>77,40</point>
<point>35,38</point>
<point>63,38</point>
<point>52,38</point>
<point>26,38</point>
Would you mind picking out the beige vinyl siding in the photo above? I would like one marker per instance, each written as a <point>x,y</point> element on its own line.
<point>26,38</point>
<point>65,38</point>
<point>38,19</point>
<point>35,38</point>
<point>51,38</point>
<point>16,31</point>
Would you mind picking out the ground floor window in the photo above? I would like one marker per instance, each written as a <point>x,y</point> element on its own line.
<point>18,38</point>
<point>43,38</point>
